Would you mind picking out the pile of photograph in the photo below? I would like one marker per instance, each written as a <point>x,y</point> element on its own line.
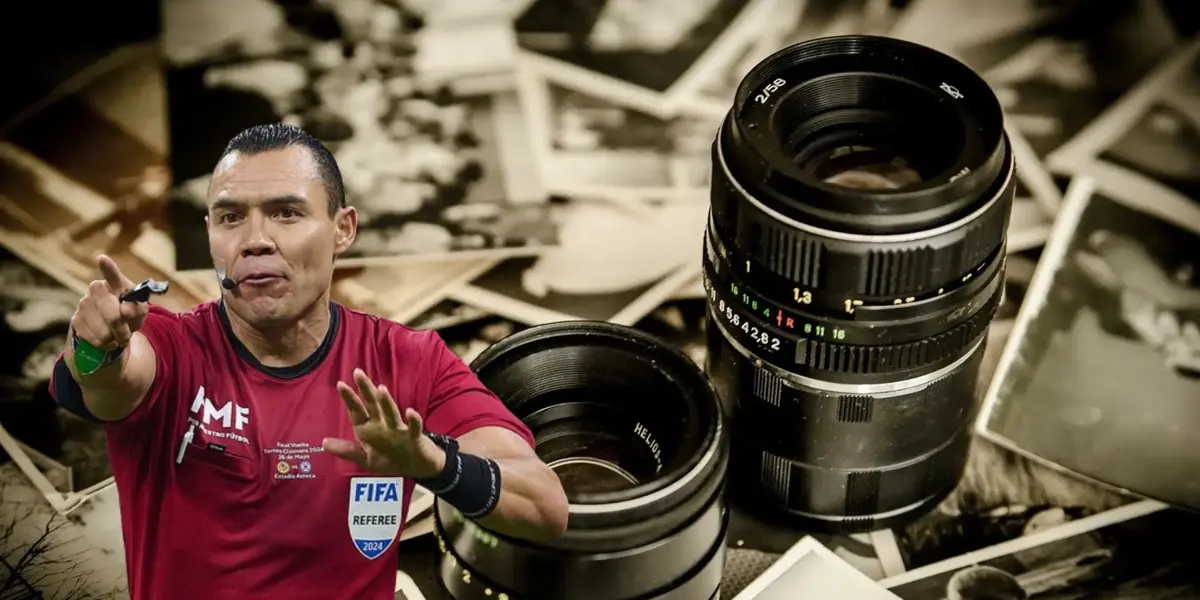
<point>520,162</point>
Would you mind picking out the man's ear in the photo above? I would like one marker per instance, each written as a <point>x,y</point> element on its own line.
<point>346,229</point>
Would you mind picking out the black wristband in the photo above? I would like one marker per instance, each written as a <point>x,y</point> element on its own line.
<point>448,478</point>
<point>467,482</point>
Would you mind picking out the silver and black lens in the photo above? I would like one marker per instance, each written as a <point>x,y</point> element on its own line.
<point>853,260</point>
<point>634,431</point>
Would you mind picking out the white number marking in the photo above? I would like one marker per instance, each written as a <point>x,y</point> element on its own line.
<point>770,88</point>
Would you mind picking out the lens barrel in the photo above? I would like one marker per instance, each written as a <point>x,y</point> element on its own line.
<point>853,261</point>
<point>634,430</point>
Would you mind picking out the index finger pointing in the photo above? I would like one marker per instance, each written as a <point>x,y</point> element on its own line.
<point>117,282</point>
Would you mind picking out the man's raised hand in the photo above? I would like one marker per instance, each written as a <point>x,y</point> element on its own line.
<point>387,442</point>
<point>101,319</point>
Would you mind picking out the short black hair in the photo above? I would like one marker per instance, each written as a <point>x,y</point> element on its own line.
<point>277,136</point>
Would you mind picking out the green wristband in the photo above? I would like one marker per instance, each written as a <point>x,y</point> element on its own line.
<point>89,359</point>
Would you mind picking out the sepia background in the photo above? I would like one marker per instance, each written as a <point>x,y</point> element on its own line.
<point>517,162</point>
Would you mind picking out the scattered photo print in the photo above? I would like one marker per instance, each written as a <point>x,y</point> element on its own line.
<point>1034,181</point>
<point>103,192</point>
<point>681,324</point>
<point>718,87</point>
<point>1028,225</point>
<point>791,23</point>
<point>44,554</point>
<point>653,49</point>
<point>39,200</point>
<point>515,289</point>
<point>106,158</point>
<point>1035,200</point>
<point>35,314</point>
<point>1054,66</point>
<point>614,265</point>
<point>1150,131</point>
<point>1001,491</point>
<point>1103,370</point>
<point>593,146</point>
<point>1121,554</point>
<point>815,569</point>
<point>981,34</point>
<point>469,340</point>
<point>421,504</point>
<point>1018,274</point>
<point>692,290</point>
<point>470,52</point>
<point>754,545</point>
<point>447,313</point>
<point>1001,497</point>
<point>403,293</point>
<point>406,588</point>
<point>429,171</point>
<point>81,51</point>
<point>1163,143</point>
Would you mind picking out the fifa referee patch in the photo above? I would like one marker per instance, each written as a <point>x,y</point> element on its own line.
<point>374,513</point>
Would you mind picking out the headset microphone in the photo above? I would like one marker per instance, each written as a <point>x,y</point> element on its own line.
<point>226,282</point>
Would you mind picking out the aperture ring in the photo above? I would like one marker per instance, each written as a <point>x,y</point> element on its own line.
<point>863,325</point>
<point>818,358</point>
<point>871,271</point>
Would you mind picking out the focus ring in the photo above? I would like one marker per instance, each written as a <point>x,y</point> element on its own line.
<point>856,269</point>
<point>808,356</point>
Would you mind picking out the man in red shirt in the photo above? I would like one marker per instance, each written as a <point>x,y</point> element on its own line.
<point>266,445</point>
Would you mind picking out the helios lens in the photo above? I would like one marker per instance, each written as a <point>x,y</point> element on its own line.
<point>633,429</point>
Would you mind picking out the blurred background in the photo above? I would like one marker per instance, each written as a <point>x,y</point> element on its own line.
<point>518,162</point>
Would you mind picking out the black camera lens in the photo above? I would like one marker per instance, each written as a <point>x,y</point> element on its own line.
<point>635,433</point>
<point>853,261</point>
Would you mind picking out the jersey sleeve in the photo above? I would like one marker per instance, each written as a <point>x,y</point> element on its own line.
<point>459,402</point>
<point>164,331</point>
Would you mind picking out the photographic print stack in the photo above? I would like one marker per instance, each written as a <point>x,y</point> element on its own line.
<point>520,162</point>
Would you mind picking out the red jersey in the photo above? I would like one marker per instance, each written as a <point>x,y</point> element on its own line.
<point>255,509</point>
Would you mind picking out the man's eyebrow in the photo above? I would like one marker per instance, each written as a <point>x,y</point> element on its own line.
<point>226,204</point>
<point>235,204</point>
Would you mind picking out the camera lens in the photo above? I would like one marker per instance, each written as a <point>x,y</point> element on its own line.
<point>853,260</point>
<point>633,429</point>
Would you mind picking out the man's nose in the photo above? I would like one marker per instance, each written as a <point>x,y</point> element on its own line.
<point>257,242</point>
<point>258,247</point>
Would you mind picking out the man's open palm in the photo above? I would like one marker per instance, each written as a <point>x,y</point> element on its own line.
<point>386,442</point>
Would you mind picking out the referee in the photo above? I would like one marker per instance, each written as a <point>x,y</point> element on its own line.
<point>266,445</point>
